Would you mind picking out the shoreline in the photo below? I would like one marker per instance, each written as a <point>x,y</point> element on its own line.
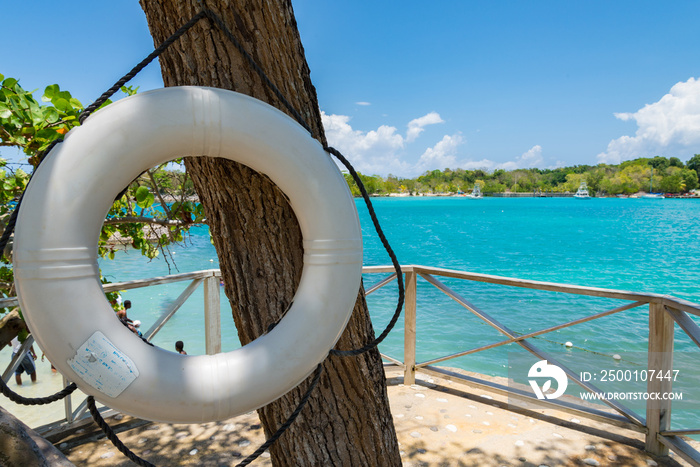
<point>529,194</point>
<point>519,195</point>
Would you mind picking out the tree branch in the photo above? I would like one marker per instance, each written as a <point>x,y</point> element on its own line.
<point>155,188</point>
<point>59,122</point>
<point>146,220</point>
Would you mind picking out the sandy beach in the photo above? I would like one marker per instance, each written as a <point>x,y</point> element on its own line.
<point>438,423</point>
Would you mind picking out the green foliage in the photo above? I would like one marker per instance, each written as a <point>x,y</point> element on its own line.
<point>690,178</point>
<point>694,163</point>
<point>155,209</point>
<point>670,175</point>
<point>673,181</point>
<point>144,197</point>
<point>29,125</point>
<point>675,162</point>
<point>112,297</point>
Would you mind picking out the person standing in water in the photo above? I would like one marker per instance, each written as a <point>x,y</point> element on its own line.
<point>180,347</point>
<point>26,364</point>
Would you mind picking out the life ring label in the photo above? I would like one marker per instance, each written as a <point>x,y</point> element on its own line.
<point>103,366</point>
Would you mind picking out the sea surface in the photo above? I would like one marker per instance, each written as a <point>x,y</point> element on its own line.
<point>626,244</point>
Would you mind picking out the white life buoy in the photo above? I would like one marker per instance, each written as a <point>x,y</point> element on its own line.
<point>57,276</point>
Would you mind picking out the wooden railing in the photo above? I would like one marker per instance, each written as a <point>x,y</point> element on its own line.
<point>212,330</point>
<point>664,312</point>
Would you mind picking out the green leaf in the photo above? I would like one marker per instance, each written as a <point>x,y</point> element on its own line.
<point>129,90</point>
<point>141,194</point>
<point>62,104</point>
<point>144,198</point>
<point>47,133</point>
<point>9,83</point>
<point>51,115</point>
<point>64,95</point>
<point>50,92</point>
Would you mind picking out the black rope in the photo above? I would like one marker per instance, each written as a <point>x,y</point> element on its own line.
<point>280,431</point>
<point>4,239</point>
<point>389,250</point>
<point>214,18</point>
<point>112,436</point>
<point>16,398</point>
<point>10,227</point>
<point>134,71</point>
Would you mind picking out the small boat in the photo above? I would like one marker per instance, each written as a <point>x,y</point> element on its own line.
<point>582,192</point>
<point>651,194</point>
<point>476,193</point>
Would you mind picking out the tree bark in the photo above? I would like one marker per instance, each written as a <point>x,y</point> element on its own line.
<point>10,325</point>
<point>347,420</point>
<point>20,446</point>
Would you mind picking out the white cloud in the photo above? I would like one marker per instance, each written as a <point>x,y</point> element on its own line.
<point>363,103</point>
<point>529,159</point>
<point>384,150</point>
<point>441,156</point>
<point>416,126</point>
<point>373,152</point>
<point>483,164</point>
<point>670,126</point>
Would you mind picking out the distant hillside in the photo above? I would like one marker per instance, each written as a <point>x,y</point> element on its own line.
<point>657,174</point>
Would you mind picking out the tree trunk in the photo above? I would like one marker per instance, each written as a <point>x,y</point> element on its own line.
<point>347,421</point>
<point>20,446</point>
<point>10,325</point>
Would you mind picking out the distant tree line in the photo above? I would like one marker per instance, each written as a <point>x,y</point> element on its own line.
<point>657,174</point>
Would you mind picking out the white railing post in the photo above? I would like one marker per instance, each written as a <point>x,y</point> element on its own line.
<point>68,403</point>
<point>212,315</point>
<point>409,334</point>
<point>660,376</point>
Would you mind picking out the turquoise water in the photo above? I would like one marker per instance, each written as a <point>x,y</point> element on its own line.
<point>627,244</point>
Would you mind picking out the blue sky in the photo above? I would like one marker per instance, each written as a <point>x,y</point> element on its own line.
<point>412,86</point>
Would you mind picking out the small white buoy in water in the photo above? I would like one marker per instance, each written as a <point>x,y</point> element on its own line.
<point>568,344</point>
<point>211,260</point>
<point>617,357</point>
